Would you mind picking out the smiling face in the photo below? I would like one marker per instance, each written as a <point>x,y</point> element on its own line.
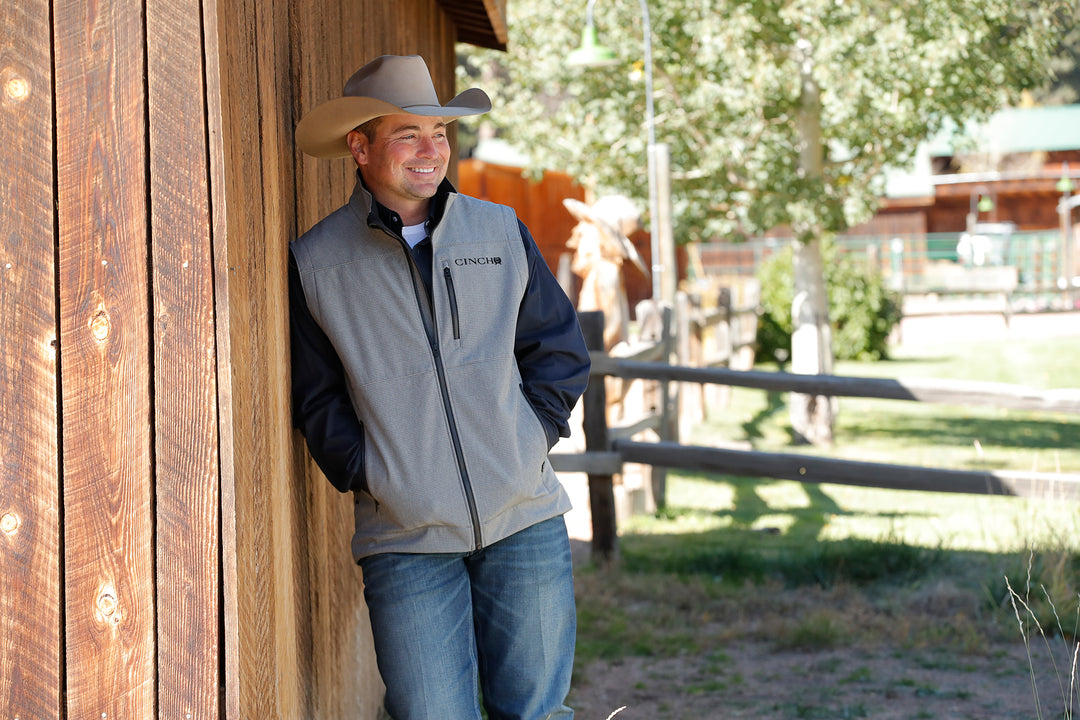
<point>404,162</point>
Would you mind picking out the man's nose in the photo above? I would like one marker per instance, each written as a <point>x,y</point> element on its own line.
<point>427,147</point>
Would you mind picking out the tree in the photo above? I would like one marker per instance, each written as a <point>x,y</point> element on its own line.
<point>777,112</point>
<point>1064,87</point>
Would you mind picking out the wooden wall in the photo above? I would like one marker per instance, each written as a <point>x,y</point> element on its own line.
<point>167,546</point>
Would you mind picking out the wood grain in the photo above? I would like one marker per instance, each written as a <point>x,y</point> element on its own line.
<point>185,391</point>
<point>264,678</point>
<point>29,485</point>
<point>108,478</point>
<point>344,680</point>
<point>213,54</point>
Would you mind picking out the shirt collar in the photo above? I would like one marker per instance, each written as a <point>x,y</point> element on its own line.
<point>381,216</point>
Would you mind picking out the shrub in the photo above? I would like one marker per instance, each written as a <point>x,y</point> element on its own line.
<point>862,311</point>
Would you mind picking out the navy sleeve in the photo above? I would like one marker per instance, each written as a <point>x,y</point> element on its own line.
<point>322,410</point>
<point>549,347</point>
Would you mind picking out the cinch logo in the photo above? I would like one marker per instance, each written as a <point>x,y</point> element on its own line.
<point>479,261</point>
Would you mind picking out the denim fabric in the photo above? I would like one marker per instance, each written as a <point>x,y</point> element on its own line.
<point>503,616</point>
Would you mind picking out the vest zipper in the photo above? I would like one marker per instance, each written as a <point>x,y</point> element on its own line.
<point>448,276</point>
<point>427,314</point>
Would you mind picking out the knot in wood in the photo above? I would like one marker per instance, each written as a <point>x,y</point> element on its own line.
<point>9,523</point>
<point>16,88</point>
<point>99,325</point>
<point>107,605</point>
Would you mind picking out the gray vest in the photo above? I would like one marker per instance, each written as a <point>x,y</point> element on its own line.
<point>454,455</point>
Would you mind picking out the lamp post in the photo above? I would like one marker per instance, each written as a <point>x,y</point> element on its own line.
<point>593,54</point>
<point>1065,208</point>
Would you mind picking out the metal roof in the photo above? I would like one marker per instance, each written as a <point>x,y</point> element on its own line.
<point>1016,130</point>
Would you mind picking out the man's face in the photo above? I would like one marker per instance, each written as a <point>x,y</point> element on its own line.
<point>404,163</point>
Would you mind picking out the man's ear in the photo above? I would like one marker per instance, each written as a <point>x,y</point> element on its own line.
<point>358,146</point>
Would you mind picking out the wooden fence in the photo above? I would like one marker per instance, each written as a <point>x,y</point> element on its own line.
<point>605,455</point>
<point>713,327</point>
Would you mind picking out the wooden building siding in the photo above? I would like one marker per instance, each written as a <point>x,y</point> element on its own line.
<point>169,549</point>
<point>30,611</point>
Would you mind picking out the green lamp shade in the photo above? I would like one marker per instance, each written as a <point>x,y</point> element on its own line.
<point>1065,184</point>
<point>985,204</point>
<point>591,53</point>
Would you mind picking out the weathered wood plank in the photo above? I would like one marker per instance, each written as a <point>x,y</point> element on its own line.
<point>277,474</point>
<point>344,681</point>
<point>185,391</point>
<point>808,468</point>
<point>250,682</point>
<point>271,632</point>
<point>593,463</point>
<point>108,478</point>
<point>213,51</point>
<point>29,492</point>
<point>934,390</point>
<point>212,46</point>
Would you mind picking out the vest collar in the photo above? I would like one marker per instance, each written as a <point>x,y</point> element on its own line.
<point>379,216</point>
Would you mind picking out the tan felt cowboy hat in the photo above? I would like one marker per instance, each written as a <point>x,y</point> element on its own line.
<point>387,85</point>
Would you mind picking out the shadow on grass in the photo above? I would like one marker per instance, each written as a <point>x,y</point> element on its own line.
<point>745,550</point>
<point>749,506</point>
<point>737,556</point>
<point>1017,433</point>
<point>774,403</point>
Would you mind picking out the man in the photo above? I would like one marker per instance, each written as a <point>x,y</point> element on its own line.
<point>435,362</point>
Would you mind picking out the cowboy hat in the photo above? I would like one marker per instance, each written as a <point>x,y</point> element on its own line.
<point>586,214</point>
<point>387,85</point>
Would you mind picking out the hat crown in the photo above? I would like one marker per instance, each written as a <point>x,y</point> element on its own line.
<point>399,80</point>
<point>387,85</point>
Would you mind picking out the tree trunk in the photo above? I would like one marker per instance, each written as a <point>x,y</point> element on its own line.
<point>811,345</point>
<point>811,339</point>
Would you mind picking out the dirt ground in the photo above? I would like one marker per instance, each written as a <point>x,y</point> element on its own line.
<point>932,654</point>
<point>755,680</point>
<point>737,671</point>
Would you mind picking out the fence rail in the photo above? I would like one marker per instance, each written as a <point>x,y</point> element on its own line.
<point>810,468</point>
<point>605,454</point>
<point>948,392</point>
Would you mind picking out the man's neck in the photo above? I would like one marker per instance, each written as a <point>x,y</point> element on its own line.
<point>432,207</point>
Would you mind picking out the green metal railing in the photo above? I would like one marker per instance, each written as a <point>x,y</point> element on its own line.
<point>903,260</point>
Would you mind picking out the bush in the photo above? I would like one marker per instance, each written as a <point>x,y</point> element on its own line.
<point>862,311</point>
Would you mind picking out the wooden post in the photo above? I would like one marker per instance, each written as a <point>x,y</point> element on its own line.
<point>685,337</point>
<point>669,405</point>
<point>594,421</point>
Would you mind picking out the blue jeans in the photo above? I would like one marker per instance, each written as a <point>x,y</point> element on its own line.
<point>503,616</point>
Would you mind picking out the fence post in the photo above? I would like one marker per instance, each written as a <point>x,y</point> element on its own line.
<point>594,424</point>
<point>669,403</point>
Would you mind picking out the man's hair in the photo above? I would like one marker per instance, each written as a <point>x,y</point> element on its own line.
<point>369,127</point>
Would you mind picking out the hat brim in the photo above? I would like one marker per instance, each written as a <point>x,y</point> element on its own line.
<point>321,133</point>
<point>584,213</point>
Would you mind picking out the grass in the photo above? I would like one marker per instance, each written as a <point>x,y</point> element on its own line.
<point>838,562</point>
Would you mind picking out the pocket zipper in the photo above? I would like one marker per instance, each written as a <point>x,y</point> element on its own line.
<point>449,278</point>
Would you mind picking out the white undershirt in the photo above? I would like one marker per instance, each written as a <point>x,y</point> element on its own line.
<point>413,233</point>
